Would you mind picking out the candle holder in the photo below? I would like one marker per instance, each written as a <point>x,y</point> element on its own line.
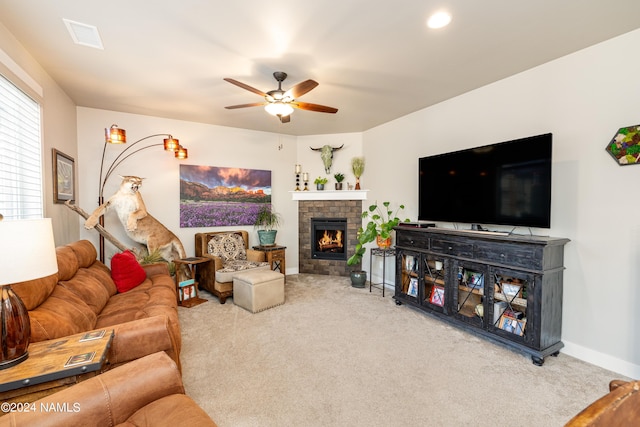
<point>305,178</point>
<point>298,170</point>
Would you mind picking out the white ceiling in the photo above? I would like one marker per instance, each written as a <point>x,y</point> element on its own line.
<point>375,61</point>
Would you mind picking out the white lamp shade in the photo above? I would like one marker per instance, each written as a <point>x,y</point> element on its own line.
<point>27,250</point>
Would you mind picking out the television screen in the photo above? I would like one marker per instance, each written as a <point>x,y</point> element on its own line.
<point>508,183</point>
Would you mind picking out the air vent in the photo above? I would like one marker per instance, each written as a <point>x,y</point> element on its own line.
<point>83,34</point>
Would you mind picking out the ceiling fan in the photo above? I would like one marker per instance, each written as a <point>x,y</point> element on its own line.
<point>281,103</point>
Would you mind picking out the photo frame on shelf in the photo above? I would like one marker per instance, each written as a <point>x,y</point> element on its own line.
<point>413,287</point>
<point>63,177</point>
<point>473,279</point>
<point>437,295</point>
<point>511,290</point>
<point>510,324</point>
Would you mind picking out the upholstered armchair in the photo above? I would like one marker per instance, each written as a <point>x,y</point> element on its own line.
<point>230,253</point>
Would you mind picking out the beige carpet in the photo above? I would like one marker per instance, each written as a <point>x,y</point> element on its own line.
<point>334,355</point>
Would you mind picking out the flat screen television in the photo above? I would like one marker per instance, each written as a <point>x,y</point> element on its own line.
<point>508,183</point>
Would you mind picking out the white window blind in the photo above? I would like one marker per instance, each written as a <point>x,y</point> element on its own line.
<point>20,154</point>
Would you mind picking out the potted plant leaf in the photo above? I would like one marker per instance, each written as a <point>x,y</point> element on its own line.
<point>267,221</point>
<point>357,165</point>
<point>339,178</point>
<point>320,182</point>
<point>382,220</point>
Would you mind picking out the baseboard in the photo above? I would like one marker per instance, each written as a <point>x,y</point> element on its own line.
<point>606,361</point>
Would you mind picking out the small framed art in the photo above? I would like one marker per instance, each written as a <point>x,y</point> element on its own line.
<point>510,324</point>
<point>63,177</point>
<point>437,296</point>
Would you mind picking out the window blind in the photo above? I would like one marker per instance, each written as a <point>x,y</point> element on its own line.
<point>20,154</point>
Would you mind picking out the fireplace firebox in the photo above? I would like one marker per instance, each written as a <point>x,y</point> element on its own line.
<point>329,238</point>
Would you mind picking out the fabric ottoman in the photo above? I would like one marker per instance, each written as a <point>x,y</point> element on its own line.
<point>259,289</point>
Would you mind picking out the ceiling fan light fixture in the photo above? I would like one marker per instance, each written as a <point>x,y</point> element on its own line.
<point>279,109</point>
<point>439,20</point>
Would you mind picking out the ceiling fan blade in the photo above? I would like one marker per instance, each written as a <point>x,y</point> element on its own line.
<point>253,104</point>
<point>245,86</point>
<point>285,119</point>
<point>301,88</point>
<point>313,107</point>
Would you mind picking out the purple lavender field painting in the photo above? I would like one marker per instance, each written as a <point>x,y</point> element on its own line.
<point>213,196</point>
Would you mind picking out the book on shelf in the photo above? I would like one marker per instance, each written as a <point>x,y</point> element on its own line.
<point>187,282</point>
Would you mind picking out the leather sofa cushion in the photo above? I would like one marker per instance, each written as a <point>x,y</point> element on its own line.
<point>63,313</point>
<point>67,262</point>
<point>88,288</point>
<point>35,292</point>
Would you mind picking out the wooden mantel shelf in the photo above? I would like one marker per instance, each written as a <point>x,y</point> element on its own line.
<point>329,195</point>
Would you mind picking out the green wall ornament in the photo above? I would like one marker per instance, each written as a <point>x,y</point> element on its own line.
<point>625,146</point>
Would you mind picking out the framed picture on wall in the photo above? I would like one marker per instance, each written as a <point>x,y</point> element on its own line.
<point>63,177</point>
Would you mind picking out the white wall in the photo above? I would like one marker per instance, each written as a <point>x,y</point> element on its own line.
<point>582,99</point>
<point>58,130</point>
<point>208,145</point>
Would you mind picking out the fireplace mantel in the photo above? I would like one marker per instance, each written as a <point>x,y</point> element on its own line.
<point>329,195</point>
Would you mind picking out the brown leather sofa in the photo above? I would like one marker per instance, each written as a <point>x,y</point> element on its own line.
<point>618,408</point>
<point>83,297</point>
<point>217,276</point>
<point>146,392</point>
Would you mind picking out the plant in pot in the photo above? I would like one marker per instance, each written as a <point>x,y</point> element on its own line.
<point>357,165</point>
<point>267,221</point>
<point>320,182</point>
<point>339,178</point>
<point>382,220</point>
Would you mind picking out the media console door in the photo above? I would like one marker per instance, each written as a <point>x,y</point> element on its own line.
<point>506,288</point>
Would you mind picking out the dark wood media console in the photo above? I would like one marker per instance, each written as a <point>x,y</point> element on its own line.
<point>506,288</point>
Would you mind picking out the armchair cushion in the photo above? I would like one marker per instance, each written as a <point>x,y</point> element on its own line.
<point>226,273</point>
<point>228,246</point>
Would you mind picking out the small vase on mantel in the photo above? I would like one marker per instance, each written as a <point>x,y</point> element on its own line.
<point>357,183</point>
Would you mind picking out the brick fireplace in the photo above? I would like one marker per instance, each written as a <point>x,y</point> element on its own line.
<point>350,210</point>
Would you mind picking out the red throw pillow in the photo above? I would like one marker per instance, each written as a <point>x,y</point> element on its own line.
<point>126,272</point>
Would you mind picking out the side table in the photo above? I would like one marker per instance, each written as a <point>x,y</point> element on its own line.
<point>56,364</point>
<point>187,288</point>
<point>275,257</point>
<point>384,253</point>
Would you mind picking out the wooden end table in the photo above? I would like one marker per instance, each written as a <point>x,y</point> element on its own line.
<point>187,288</point>
<point>56,364</point>
<point>275,257</point>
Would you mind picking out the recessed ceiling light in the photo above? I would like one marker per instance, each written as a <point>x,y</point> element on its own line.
<point>83,34</point>
<point>439,20</point>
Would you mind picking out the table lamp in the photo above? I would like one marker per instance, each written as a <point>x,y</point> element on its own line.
<point>27,252</point>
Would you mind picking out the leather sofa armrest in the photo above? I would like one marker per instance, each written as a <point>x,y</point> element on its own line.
<point>139,338</point>
<point>156,268</point>
<point>107,399</point>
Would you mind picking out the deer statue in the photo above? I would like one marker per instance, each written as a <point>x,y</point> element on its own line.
<point>326,153</point>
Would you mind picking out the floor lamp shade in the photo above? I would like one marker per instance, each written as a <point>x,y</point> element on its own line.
<point>27,252</point>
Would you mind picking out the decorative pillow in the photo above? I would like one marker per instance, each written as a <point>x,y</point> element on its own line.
<point>126,272</point>
<point>228,246</point>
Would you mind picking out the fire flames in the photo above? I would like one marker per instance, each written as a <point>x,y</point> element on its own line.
<point>330,241</point>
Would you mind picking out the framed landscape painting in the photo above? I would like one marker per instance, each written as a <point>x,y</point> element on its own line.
<point>212,196</point>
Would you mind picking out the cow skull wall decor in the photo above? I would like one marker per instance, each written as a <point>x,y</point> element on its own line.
<point>326,153</point>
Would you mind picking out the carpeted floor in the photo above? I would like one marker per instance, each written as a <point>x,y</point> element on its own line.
<point>334,355</point>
